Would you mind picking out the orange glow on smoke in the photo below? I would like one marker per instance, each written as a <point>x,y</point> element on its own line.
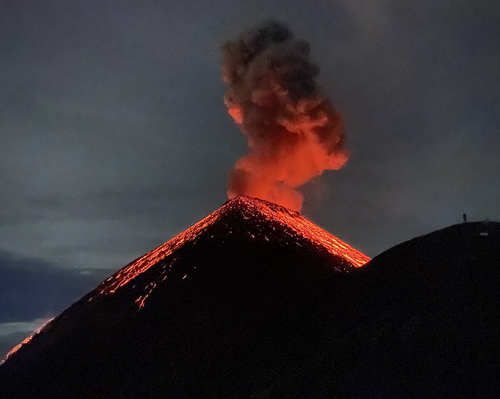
<point>250,208</point>
<point>293,131</point>
<point>291,153</point>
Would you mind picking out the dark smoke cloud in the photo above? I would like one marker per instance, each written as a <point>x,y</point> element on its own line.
<point>293,131</point>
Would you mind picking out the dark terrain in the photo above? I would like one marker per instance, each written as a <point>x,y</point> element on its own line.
<point>248,307</point>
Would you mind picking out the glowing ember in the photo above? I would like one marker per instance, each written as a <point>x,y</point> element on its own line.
<point>27,340</point>
<point>249,208</point>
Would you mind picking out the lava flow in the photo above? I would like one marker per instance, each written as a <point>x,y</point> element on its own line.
<point>26,340</point>
<point>256,213</point>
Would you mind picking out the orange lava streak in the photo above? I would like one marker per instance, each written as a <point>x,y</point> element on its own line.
<point>142,299</point>
<point>309,230</point>
<point>27,340</point>
<point>128,273</point>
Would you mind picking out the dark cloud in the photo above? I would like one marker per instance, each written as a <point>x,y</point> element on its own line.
<point>32,288</point>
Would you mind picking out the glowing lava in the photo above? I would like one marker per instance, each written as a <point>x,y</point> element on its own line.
<point>257,212</point>
<point>27,340</point>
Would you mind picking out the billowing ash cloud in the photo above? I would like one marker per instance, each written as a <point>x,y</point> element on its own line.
<point>293,131</point>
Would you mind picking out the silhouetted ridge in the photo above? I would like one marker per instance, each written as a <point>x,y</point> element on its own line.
<point>429,318</point>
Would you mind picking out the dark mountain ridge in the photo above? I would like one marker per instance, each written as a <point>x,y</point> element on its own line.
<point>429,321</point>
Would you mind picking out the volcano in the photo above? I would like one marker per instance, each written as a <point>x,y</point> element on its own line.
<point>255,301</point>
<point>218,311</point>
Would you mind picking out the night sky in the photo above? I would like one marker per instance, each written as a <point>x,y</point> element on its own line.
<point>114,136</point>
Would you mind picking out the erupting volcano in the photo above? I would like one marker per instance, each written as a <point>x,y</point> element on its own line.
<point>255,301</point>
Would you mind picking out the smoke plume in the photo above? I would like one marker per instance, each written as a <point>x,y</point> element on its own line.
<point>293,131</point>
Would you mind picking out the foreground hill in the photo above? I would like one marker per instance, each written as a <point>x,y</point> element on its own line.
<point>428,325</point>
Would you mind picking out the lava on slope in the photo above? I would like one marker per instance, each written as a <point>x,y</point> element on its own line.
<point>248,290</point>
<point>295,227</point>
<point>26,340</point>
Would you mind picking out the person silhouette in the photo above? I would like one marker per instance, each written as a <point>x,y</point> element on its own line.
<point>465,218</point>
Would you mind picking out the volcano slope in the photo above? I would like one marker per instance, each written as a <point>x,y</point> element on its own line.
<point>256,302</point>
<point>243,304</point>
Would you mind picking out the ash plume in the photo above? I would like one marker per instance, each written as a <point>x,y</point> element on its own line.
<point>293,131</point>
